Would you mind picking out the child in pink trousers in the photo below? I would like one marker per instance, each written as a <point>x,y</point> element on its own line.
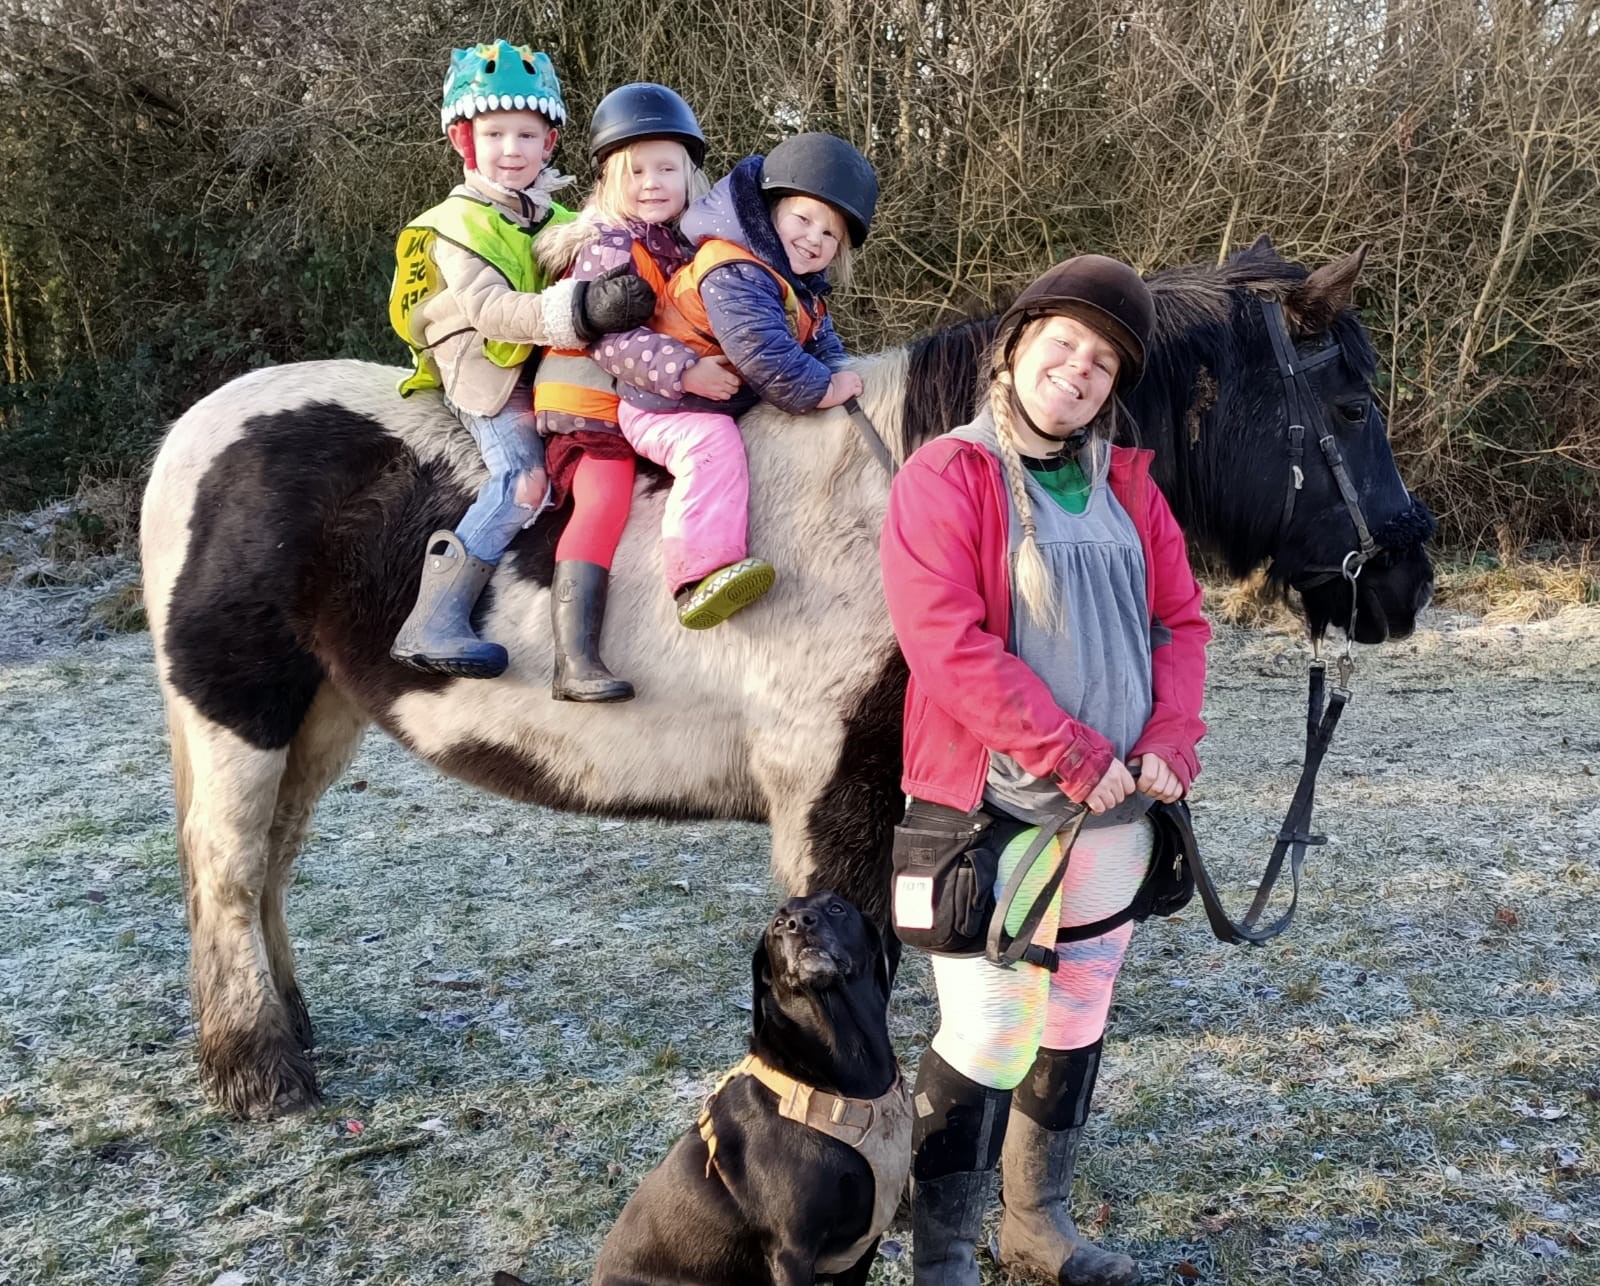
<point>647,147</point>
<point>766,236</point>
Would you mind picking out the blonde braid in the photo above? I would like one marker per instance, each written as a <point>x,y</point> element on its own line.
<point>1033,578</point>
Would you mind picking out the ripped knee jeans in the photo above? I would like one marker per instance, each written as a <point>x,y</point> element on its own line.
<point>512,449</point>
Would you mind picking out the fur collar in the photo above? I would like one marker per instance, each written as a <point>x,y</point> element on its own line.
<point>558,244</point>
<point>529,206</point>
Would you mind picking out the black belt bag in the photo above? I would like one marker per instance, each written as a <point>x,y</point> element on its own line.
<point>946,864</point>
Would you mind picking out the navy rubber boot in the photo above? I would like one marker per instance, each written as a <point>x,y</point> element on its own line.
<point>438,636</point>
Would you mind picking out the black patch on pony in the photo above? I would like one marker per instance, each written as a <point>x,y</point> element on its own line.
<point>504,771</point>
<point>239,637</point>
<point>852,821</point>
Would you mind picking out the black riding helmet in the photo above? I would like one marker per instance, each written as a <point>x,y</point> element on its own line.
<point>641,111</point>
<point>1104,294</point>
<point>828,168</point>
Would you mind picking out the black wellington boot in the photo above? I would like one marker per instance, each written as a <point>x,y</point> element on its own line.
<point>1038,1240</point>
<point>956,1135</point>
<point>577,610</point>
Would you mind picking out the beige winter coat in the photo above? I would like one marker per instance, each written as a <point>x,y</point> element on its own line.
<point>478,303</point>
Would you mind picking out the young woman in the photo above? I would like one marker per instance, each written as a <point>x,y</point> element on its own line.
<point>1041,592</point>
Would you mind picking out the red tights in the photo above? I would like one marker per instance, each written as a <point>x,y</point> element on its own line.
<point>602,491</point>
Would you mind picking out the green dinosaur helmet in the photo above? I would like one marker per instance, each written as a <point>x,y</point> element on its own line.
<point>498,78</point>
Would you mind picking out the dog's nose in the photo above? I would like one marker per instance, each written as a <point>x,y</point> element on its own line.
<point>796,921</point>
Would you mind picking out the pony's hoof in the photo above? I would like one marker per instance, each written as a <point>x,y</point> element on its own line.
<point>253,1083</point>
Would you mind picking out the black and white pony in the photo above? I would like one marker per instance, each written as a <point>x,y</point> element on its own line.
<point>281,530</point>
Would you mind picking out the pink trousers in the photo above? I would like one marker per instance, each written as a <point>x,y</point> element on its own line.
<point>707,522</point>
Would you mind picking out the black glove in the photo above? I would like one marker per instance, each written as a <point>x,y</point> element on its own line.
<point>614,301</point>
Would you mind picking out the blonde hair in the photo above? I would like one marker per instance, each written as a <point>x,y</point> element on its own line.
<point>837,272</point>
<point>1033,577</point>
<point>610,196</point>
<point>1038,591</point>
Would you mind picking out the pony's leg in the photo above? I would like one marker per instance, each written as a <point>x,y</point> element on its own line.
<point>321,750</point>
<point>834,823</point>
<point>251,1056</point>
<point>832,817</point>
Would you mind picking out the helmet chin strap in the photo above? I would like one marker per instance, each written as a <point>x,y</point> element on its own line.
<point>1073,439</point>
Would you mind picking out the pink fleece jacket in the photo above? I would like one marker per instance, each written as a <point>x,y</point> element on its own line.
<point>946,574</point>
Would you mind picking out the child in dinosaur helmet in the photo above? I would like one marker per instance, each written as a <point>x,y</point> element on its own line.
<point>767,235</point>
<point>472,304</point>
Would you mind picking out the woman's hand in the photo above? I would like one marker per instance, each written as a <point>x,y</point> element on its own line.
<point>712,378</point>
<point>1158,781</point>
<point>1112,789</point>
<point>841,388</point>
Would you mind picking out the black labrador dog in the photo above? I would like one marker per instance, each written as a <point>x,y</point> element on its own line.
<point>781,1186</point>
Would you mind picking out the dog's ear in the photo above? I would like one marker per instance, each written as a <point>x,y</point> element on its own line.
<point>761,982</point>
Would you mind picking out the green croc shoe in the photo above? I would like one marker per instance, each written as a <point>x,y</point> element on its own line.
<point>724,592</point>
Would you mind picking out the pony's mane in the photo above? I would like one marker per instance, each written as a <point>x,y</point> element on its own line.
<point>1194,313</point>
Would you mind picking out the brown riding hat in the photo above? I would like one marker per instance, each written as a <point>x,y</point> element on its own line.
<point>1104,294</point>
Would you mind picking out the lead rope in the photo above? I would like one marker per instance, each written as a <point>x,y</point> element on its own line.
<point>1323,710</point>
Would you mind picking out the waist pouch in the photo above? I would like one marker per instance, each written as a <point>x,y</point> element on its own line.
<point>1168,885</point>
<point>945,867</point>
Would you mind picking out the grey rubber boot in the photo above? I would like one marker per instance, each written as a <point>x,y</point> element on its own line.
<point>956,1135</point>
<point>1038,1240</point>
<point>438,636</point>
<point>577,611</point>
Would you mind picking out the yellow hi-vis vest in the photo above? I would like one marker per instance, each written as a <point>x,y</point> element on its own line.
<point>476,226</point>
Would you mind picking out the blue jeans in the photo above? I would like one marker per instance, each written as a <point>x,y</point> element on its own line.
<point>511,447</point>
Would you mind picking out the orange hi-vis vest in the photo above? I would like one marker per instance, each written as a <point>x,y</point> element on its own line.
<point>681,312</point>
<point>569,381</point>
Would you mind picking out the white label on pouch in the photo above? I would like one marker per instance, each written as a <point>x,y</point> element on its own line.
<point>913,901</point>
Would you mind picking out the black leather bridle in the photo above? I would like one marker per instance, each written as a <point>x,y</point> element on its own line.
<point>1323,707</point>
<point>1307,414</point>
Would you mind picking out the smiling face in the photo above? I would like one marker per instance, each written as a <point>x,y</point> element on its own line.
<point>512,147</point>
<point>1063,372</point>
<point>655,179</point>
<point>811,232</point>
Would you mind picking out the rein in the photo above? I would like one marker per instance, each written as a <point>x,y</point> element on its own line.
<point>869,434</point>
<point>1295,835</point>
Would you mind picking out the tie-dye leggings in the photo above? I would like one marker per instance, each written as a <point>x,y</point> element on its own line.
<point>994,1021</point>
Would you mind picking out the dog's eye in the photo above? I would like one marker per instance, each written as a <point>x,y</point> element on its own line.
<point>835,908</point>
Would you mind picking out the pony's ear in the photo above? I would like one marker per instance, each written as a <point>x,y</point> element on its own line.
<point>1263,245</point>
<point>760,984</point>
<point>1312,305</point>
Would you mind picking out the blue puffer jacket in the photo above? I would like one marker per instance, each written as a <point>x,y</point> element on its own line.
<point>746,309</point>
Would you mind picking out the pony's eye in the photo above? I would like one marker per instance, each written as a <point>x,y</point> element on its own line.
<point>1354,412</point>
